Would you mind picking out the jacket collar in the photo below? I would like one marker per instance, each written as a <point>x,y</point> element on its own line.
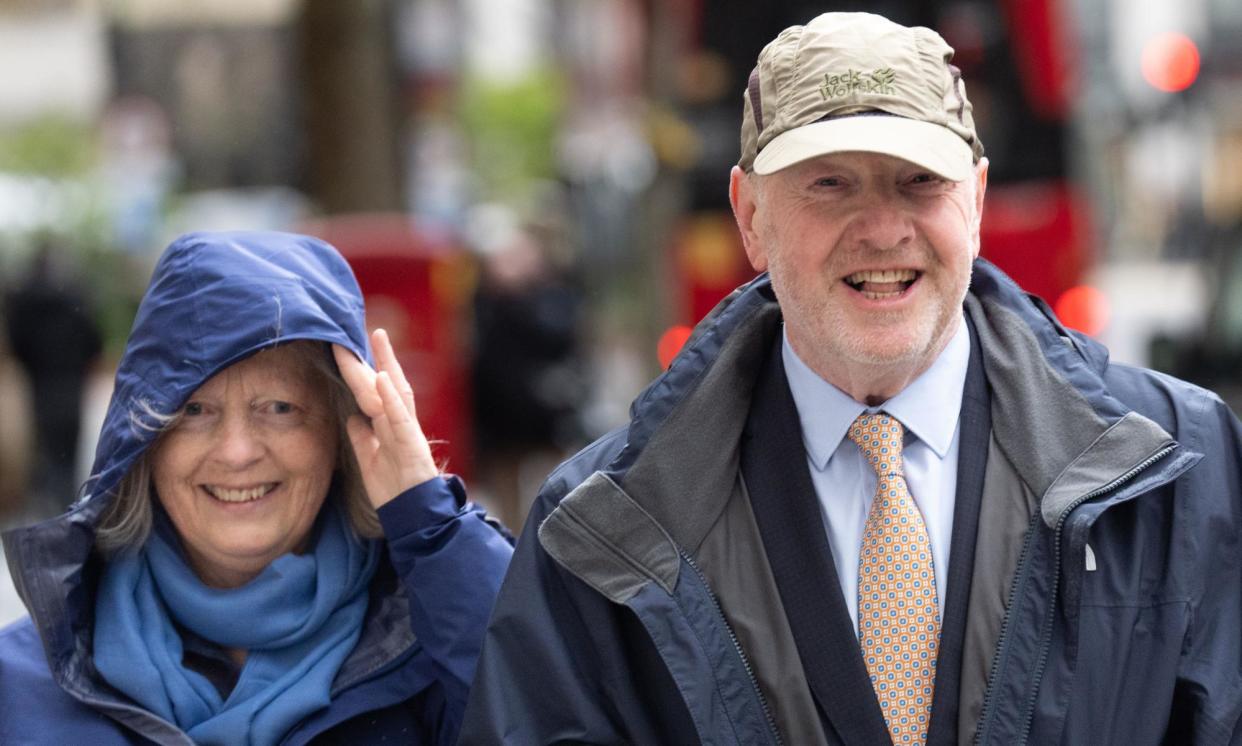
<point>1052,413</point>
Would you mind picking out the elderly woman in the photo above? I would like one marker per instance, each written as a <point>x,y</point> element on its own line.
<point>267,553</point>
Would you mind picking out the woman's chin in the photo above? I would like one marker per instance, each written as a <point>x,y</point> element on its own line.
<point>235,556</point>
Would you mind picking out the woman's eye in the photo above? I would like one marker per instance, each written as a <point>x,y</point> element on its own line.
<point>278,407</point>
<point>828,181</point>
<point>282,413</point>
<point>192,409</point>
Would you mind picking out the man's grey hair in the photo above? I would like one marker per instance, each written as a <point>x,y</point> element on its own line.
<point>127,521</point>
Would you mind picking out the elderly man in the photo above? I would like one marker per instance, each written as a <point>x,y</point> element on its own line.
<point>882,494</point>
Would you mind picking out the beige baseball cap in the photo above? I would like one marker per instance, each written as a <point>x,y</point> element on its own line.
<point>858,82</point>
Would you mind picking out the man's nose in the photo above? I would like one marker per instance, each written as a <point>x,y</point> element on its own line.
<point>238,444</point>
<point>882,224</point>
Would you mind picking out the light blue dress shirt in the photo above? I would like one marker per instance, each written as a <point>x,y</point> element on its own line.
<point>845,483</point>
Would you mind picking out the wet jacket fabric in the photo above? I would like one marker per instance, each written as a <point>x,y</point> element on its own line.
<point>213,300</point>
<point>1105,603</point>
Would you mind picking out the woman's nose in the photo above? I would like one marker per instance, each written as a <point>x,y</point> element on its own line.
<point>239,444</point>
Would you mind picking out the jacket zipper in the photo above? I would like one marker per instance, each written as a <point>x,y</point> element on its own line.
<point>1028,715</point>
<point>767,711</point>
<point>1029,710</point>
<point>1019,580</point>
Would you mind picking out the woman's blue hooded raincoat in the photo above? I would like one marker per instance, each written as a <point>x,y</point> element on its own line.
<point>213,300</point>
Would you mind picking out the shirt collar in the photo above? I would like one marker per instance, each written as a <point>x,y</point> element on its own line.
<point>929,407</point>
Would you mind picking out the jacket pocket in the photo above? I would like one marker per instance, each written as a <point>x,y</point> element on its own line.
<point>1126,672</point>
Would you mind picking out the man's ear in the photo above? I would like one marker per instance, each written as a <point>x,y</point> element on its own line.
<point>981,188</point>
<point>745,206</point>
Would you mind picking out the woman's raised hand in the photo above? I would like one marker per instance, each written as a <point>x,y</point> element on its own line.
<point>392,451</point>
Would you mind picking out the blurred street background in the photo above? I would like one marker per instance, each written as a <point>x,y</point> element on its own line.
<point>533,192</point>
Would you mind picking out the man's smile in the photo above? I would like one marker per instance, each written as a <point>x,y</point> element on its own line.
<point>882,284</point>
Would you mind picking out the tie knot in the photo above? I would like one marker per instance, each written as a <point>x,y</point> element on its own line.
<point>879,436</point>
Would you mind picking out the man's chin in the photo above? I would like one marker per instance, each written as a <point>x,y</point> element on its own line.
<point>894,340</point>
<point>885,356</point>
<point>888,348</point>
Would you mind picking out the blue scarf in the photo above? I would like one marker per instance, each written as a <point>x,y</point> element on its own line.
<point>298,620</point>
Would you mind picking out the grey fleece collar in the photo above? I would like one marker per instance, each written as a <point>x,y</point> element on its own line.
<point>1056,440</point>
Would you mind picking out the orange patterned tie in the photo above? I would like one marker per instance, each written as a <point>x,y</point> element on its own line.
<point>898,620</point>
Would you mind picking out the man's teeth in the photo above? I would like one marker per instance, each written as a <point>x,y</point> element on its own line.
<point>239,496</point>
<point>884,275</point>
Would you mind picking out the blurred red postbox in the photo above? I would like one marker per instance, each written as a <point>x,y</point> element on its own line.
<point>418,287</point>
<point>709,263</point>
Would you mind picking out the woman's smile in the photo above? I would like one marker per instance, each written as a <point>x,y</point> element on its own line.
<point>240,494</point>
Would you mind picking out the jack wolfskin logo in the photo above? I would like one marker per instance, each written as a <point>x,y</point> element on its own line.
<point>877,81</point>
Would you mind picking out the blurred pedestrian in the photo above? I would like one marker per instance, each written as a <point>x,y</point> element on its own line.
<point>55,337</point>
<point>15,431</point>
<point>267,553</point>
<point>882,495</point>
<point>527,370</point>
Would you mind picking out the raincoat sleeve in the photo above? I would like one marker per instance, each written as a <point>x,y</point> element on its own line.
<point>450,560</point>
<point>540,680</point>
<point>1207,697</point>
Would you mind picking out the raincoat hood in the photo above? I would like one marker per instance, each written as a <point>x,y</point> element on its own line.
<point>215,298</point>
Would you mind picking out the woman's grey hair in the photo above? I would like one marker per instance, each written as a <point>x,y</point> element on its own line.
<point>127,521</point>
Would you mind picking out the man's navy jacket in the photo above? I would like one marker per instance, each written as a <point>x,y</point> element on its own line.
<point>1112,613</point>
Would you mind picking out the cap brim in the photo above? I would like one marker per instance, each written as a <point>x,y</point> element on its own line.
<point>931,146</point>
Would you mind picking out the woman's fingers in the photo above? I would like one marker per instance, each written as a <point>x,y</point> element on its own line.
<point>362,438</point>
<point>360,379</point>
<point>391,448</point>
<point>386,437</point>
<point>394,406</point>
<point>386,360</point>
<point>399,424</point>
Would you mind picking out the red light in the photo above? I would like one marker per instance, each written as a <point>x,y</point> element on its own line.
<point>1170,62</point>
<point>1083,308</point>
<point>671,343</point>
